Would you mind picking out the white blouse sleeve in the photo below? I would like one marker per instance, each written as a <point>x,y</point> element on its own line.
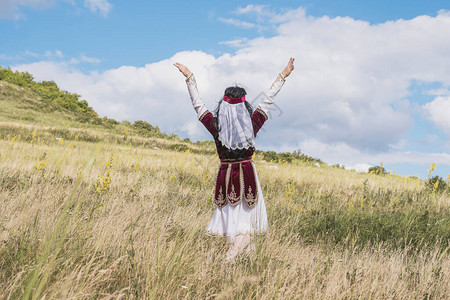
<point>271,94</point>
<point>197,103</point>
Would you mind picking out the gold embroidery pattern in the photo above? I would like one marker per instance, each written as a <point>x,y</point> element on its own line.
<point>263,113</point>
<point>251,198</point>
<point>227,178</point>
<point>233,161</point>
<point>233,198</point>
<point>203,115</point>
<point>241,179</point>
<point>256,183</point>
<point>220,201</point>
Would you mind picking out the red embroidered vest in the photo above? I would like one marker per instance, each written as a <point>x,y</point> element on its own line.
<point>236,177</point>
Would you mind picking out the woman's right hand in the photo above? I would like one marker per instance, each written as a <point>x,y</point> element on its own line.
<point>289,68</point>
<point>183,69</point>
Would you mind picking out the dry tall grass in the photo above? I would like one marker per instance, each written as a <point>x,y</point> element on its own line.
<point>103,221</point>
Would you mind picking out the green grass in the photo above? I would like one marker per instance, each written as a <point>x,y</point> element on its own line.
<point>100,213</point>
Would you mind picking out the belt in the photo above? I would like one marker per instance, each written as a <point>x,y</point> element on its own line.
<point>233,161</point>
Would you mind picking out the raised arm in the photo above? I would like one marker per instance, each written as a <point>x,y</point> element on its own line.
<point>197,103</point>
<point>260,114</point>
<point>202,112</point>
<point>276,87</point>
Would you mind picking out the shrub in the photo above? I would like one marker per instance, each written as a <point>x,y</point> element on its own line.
<point>436,184</point>
<point>378,170</point>
<point>272,156</point>
<point>174,136</point>
<point>143,126</point>
<point>338,166</point>
<point>18,78</point>
<point>49,92</point>
<point>179,147</point>
<point>96,121</point>
<point>109,123</point>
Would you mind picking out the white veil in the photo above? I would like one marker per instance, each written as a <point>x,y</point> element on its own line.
<point>235,126</point>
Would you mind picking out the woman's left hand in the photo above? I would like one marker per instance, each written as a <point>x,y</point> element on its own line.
<point>183,69</point>
<point>289,68</point>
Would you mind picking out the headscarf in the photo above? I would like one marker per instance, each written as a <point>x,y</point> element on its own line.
<point>235,124</point>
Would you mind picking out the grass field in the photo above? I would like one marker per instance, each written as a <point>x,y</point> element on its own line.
<point>124,217</point>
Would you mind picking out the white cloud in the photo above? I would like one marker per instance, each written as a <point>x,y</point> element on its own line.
<point>346,101</point>
<point>237,43</point>
<point>129,92</point>
<point>101,6</point>
<point>264,16</point>
<point>29,53</point>
<point>438,111</point>
<point>341,153</point>
<point>251,8</point>
<point>11,9</point>
<point>8,57</point>
<point>238,23</point>
<point>53,54</point>
<point>58,53</point>
<point>438,92</point>
<point>92,60</point>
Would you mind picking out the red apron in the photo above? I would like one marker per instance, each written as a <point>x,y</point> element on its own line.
<point>234,179</point>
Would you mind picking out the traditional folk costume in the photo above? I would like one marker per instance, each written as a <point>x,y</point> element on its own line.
<point>240,203</point>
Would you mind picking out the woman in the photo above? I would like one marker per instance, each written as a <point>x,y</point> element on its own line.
<point>240,211</point>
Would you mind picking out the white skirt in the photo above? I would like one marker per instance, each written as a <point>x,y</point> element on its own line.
<point>230,221</point>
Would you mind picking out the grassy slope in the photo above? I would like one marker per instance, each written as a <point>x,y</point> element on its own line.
<point>112,216</point>
<point>19,104</point>
<point>22,112</point>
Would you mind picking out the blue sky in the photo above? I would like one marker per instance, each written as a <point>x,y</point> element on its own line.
<point>371,82</point>
<point>149,31</point>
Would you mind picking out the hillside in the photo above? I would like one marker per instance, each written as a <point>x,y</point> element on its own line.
<point>41,111</point>
<point>93,208</point>
<point>26,114</point>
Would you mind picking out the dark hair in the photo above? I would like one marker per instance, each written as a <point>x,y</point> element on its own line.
<point>233,92</point>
